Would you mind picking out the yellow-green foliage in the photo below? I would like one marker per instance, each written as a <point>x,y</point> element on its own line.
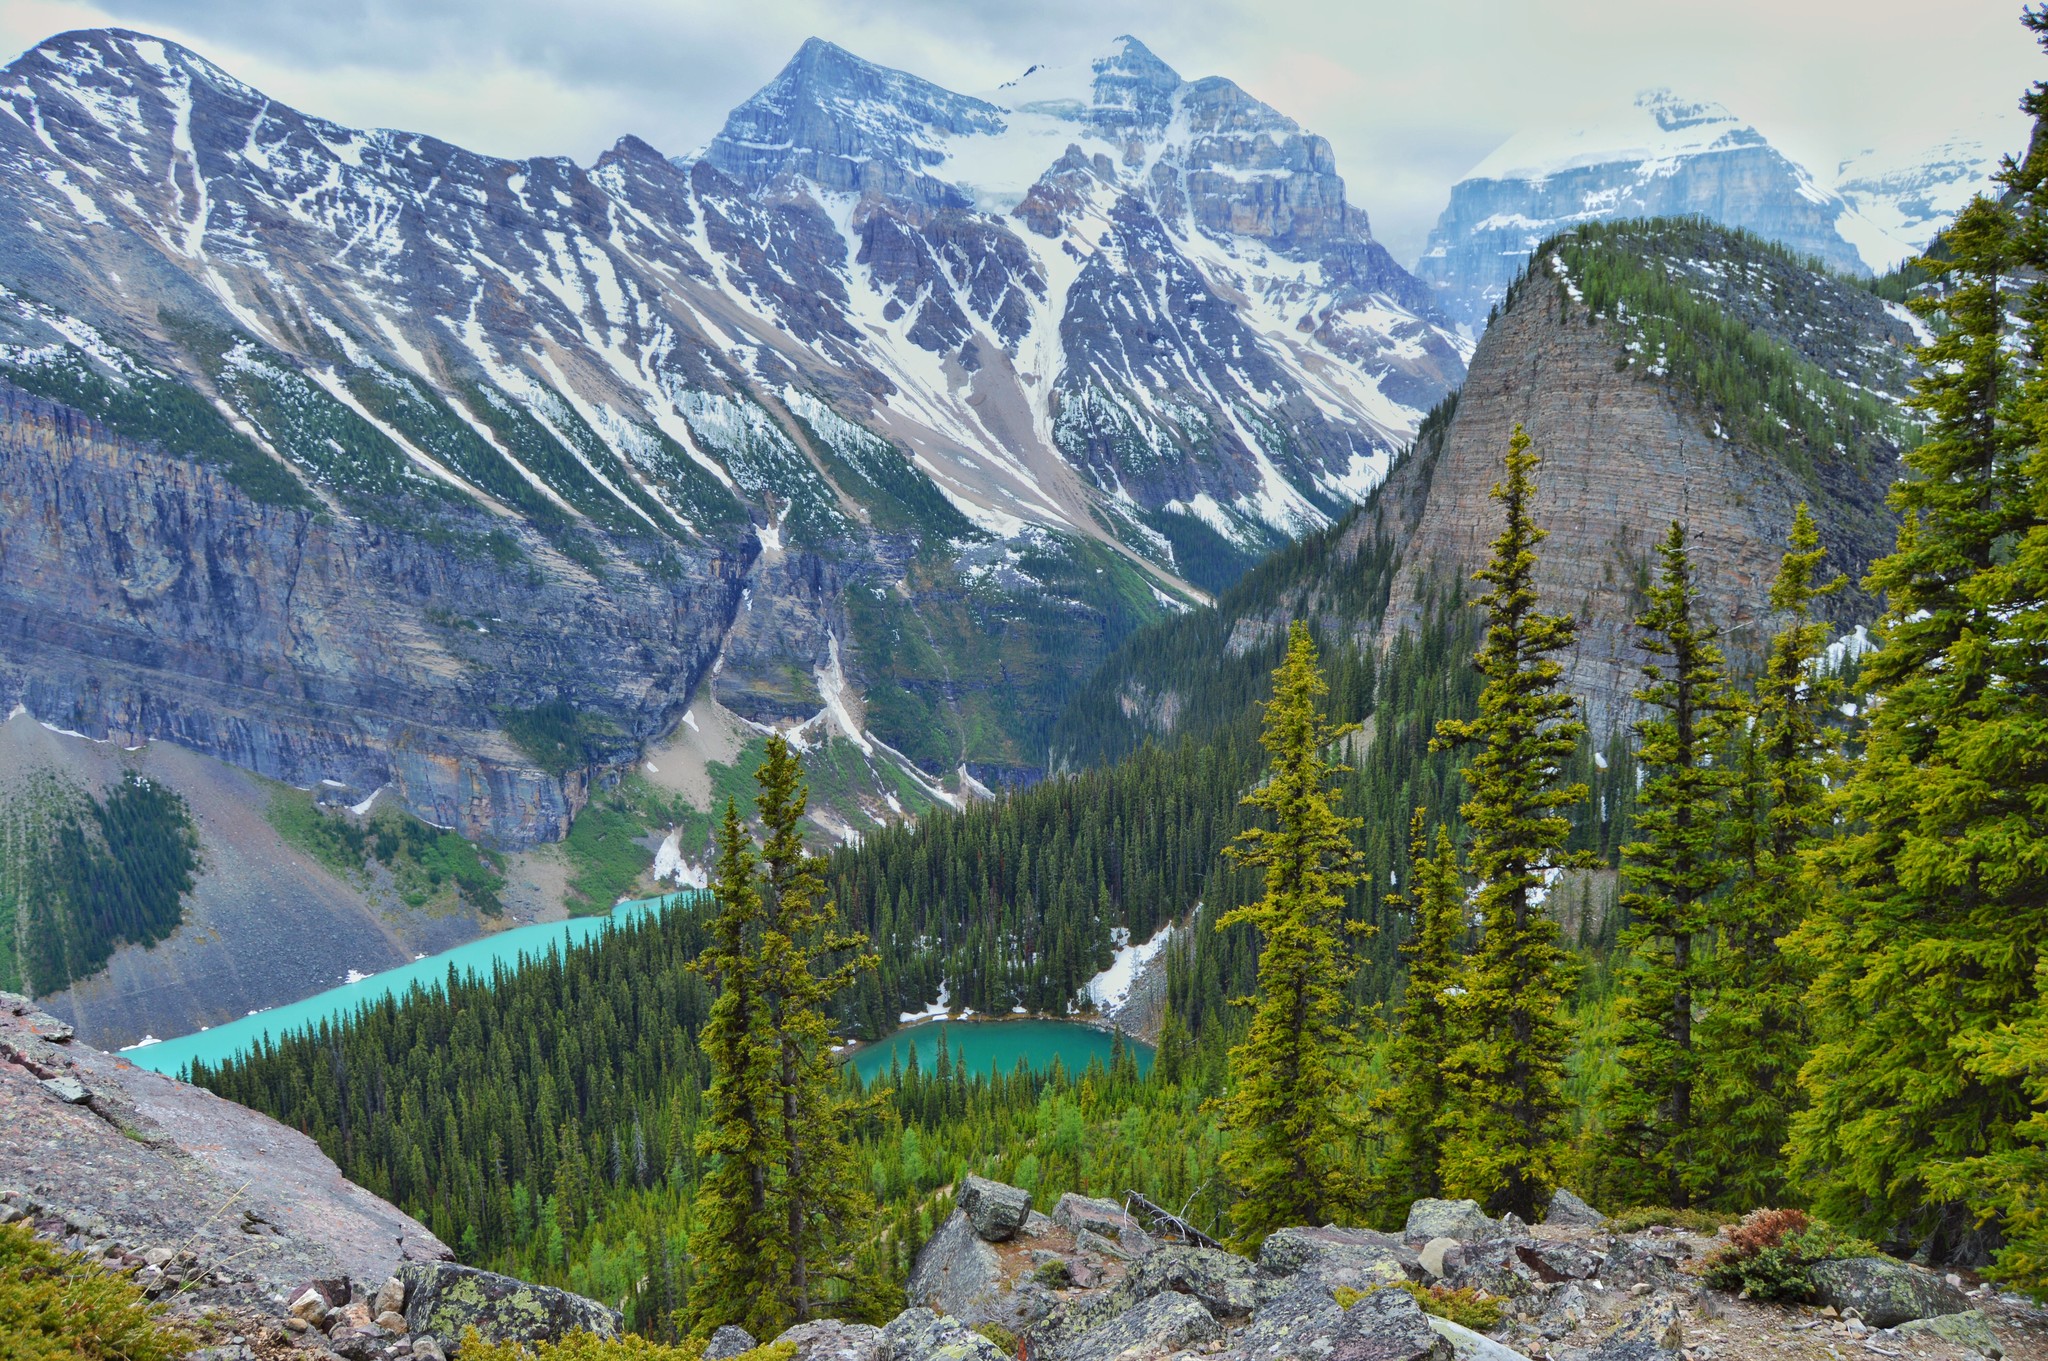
<point>1464,1306</point>
<point>591,1347</point>
<point>58,1306</point>
<point>1001,1336</point>
<point>1650,1216</point>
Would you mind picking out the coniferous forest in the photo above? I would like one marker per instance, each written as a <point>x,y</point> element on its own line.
<point>1825,983</point>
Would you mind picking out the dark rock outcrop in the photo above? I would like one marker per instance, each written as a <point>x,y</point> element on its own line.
<point>1885,1292</point>
<point>956,1273</point>
<point>728,1341</point>
<point>996,1211</point>
<point>1157,1326</point>
<point>920,1335</point>
<point>831,1340</point>
<point>1568,1211</point>
<point>446,1300</point>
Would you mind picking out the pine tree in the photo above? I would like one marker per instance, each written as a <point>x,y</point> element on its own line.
<point>806,961</point>
<point>1409,1110</point>
<point>1505,1127</point>
<point>739,1248</point>
<point>1650,1129</point>
<point>1755,1037</point>
<point>1928,942</point>
<point>1290,1113</point>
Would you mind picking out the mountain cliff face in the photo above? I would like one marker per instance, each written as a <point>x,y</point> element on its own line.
<point>355,456</point>
<point>1633,431</point>
<point>1664,157</point>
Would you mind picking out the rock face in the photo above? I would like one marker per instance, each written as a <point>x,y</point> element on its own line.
<point>956,1271</point>
<point>831,1340</point>
<point>1569,1211</point>
<point>210,1200</point>
<point>1885,1292</point>
<point>921,1335</point>
<point>1666,157</point>
<point>446,1300</point>
<point>1459,1219</point>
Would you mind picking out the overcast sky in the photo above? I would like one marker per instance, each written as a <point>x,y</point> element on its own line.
<point>1411,92</point>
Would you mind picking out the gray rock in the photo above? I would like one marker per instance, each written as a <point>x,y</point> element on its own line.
<point>1359,1258</point>
<point>1431,1257</point>
<point>1568,1210</point>
<point>1037,1225</point>
<point>1643,1260</point>
<point>359,1344</point>
<point>445,1299</point>
<point>727,1342</point>
<point>1105,1218</point>
<point>1297,1322</point>
<point>1552,1262</point>
<point>1387,1325</point>
<point>956,1272</point>
<point>1459,1219</point>
<point>830,1340</point>
<point>1563,1311</point>
<point>1885,1292</point>
<point>1494,1267</point>
<point>1968,1329</point>
<point>67,1089</point>
<point>427,1349</point>
<point>1467,1345</point>
<point>921,1335</point>
<point>997,1211</point>
<point>390,1297</point>
<point>1649,1332</point>
<point>1165,1323</point>
<point>1226,1284</point>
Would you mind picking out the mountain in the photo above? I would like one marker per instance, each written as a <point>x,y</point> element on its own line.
<point>370,463</point>
<point>1663,156</point>
<point>1912,196</point>
<point>1664,370</point>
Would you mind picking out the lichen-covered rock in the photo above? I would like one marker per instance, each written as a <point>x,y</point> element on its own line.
<point>1102,1217</point>
<point>445,1299</point>
<point>1226,1284</point>
<point>997,1211</point>
<point>830,1340</point>
<point>1563,1311</point>
<point>1167,1322</point>
<point>1296,1322</point>
<point>918,1334</point>
<point>1387,1325</point>
<point>1359,1258</point>
<point>1640,1260</point>
<point>1569,1211</point>
<point>1967,1329</point>
<point>1467,1345</point>
<point>1459,1219</point>
<point>956,1271</point>
<point>1552,1262</point>
<point>728,1341</point>
<point>1885,1292</point>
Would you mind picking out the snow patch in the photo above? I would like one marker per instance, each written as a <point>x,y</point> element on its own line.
<point>1111,988</point>
<point>937,1011</point>
<point>670,863</point>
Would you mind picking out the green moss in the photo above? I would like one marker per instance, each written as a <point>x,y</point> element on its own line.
<point>556,736</point>
<point>1464,1306</point>
<point>59,1306</point>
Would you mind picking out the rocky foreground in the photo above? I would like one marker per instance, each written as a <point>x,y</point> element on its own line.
<point>250,1234</point>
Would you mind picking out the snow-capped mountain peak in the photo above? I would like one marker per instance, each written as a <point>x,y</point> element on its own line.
<point>1656,126</point>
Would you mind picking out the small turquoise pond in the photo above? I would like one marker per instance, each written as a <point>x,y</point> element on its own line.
<point>510,948</point>
<point>997,1044</point>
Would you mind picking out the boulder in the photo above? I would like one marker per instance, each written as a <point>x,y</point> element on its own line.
<point>307,1306</point>
<point>996,1211</point>
<point>1552,1262</point>
<point>830,1340</point>
<point>1037,1225</point>
<point>1166,1323</point>
<point>336,1290</point>
<point>1968,1329</point>
<point>1297,1322</point>
<point>1359,1258</point>
<point>1643,1260</point>
<point>391,1321</point>
<point>1569,1211</point>
<point>1431,1258</point>
<point>427,1349</point>
<point>728,1341</point>
<point>1467,1345</point>
<point>1494,1267</point>
<point>390,1297</point>
<point>1225,1284</point>
<point>956,1272</point>
<point>1104,1218</point>
<point>1459,1219</point>
<point>1563,1312</point>
<point>1387,1325</point>
<point>445,1299</point>
<point>1885,1292</point>
<point>359,1344</point>
<point>69,1090</point>
<point>921,1335</point>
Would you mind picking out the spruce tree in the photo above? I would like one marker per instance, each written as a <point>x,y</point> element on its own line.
<point>1505,1126</point>
<point>740,1258</point>
<point>806,961</point>
<point>1755,1037</point>
<point>1927,945</point>
<point>1291,1111</point>
<point>1409,1110</point>
<point>1649,1135</point>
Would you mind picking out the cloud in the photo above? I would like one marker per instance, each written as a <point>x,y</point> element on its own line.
<point>1410,95</point>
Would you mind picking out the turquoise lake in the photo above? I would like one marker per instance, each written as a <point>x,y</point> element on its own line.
<point>997,1044</point>
<point>509,948</point>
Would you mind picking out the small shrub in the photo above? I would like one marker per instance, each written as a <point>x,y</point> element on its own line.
<point>1054,1275</point>
<point>1005,1340</point>
<point>591,1347</point>
<point>1663,1216</point>
<point>59,1306</point>
<point>1770,1255</point>
<point>1465,1306</point>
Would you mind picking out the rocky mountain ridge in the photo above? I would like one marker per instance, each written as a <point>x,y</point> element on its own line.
<point>882,456</point>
